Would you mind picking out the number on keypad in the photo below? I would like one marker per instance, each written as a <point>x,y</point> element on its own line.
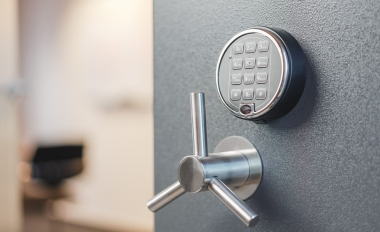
<point>236,79</point>
<point>249,78</point>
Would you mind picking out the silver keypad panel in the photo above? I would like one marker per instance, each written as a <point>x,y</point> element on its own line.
<point>250,71</point>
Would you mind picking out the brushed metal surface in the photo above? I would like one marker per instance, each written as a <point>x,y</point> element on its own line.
<point>165,197</point>
<point>232,167</point>
<point>198,123</point>
<point>254,161</point>
<point>191,174</point>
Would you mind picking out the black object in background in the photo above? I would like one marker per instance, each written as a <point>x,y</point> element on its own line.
<point>52,164</point>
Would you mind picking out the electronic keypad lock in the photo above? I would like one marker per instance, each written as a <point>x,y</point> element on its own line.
<point>261,74</point>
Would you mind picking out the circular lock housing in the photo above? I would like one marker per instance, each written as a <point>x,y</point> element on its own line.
<point>261,74</point>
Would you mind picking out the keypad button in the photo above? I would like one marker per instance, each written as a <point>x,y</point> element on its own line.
<point>237,49</point>
<point>261,78</point>
<point>248,94</point>
<point>237,64</point>
<point>249,78</point>
<point>262,62</point>
<point>249,63</point>
<point>235,94</point>
<point>261,94</point>
<point>236,79</point>
<point>263,46</point>
<point>250,47</point>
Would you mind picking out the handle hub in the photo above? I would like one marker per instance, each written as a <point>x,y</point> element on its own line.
<point>232,168</point>
<point>191,174</point>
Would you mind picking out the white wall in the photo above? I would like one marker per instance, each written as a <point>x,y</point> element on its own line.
<point>89,67</point>
<point>10,197</point>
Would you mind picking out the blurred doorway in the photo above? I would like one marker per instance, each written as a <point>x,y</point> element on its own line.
<point>10,197</point>
<point>88,65</point>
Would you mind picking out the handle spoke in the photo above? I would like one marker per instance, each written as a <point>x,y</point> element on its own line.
<point>198,121</point>
<point>165,197</point>
<point>233,202</point>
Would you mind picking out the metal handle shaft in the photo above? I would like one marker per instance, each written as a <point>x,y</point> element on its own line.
<point>165,197</point>
<point>198,121</point>
<point>233,202</point>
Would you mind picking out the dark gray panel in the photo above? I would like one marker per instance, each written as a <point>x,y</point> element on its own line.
<point>322,160</point>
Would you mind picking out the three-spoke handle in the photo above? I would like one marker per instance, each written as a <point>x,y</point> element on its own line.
<point>216,186</point>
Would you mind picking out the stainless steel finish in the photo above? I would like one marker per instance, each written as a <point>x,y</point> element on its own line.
<point>237,143</point>
<point>231,167</point>
<point>235,163</point>
<point>276,39</point>
<point>195,172</point>
<point>198,121</point>
<point>233,202</point>
<point>191,174</point>
<point>165,197</point>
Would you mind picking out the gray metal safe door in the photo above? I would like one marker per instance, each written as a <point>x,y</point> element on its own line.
<point>321,161</point>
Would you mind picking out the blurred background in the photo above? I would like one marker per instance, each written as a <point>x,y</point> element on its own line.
<point>76,115</point>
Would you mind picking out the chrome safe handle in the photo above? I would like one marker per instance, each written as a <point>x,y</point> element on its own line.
<point>240,169</point>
